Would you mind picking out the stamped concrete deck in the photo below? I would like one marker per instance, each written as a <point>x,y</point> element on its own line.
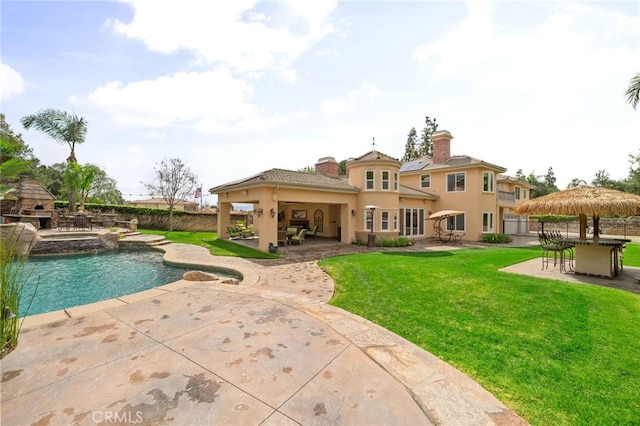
<point>269,351</point>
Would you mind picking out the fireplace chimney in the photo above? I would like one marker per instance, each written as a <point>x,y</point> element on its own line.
<point>327,166</point>
<point>441,141</point>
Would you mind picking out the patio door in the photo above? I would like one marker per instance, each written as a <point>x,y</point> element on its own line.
<point>412,222</point>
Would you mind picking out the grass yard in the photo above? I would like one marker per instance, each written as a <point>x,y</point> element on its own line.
<point>556,353</point>
<point>210,240</point>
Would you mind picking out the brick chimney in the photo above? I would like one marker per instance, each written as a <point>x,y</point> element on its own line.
<point>327,166</point>
<point>441,141</point>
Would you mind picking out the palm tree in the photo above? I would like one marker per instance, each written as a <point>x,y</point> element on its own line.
<point>62,127</point>
<point>633,91</point>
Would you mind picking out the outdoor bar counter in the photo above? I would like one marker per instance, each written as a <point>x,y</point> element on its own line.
<point>598,256</point>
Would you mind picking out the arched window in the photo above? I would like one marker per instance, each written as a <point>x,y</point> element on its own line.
<point>317,219</point>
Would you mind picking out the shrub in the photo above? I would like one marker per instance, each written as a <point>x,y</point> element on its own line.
<point>495,238</point>
<point>393,242</point>
<point>13,278</point>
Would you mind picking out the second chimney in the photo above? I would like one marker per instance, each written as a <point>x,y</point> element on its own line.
<point>441,141</point>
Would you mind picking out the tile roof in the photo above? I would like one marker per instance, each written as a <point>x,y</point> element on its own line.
<point>288,177</point>
<point>374,155</point>
<point>426,163</point>
<point>411,192</point>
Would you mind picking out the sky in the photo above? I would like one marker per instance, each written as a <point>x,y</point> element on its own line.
<point>236,88</point>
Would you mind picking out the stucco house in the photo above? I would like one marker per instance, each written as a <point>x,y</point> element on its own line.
<point>378,195</point>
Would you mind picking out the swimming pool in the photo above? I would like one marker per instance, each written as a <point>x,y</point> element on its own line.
<point>65,281</point>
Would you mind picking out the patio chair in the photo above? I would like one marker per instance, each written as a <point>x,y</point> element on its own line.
<point>312,232</point>
<point>234,233</point>
<point>553,243</point>
<point>244,231</point>
<point>299,237</point>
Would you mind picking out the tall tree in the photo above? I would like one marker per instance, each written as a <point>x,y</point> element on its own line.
<point>104,189</point>
<point>15,157</point>
<point>61,127</point>
<point>632,182</point>
<point>174,181</point>
<point>426,146</point>
<point>542,187</point>
<point>633,91</point>
<point>411,148</point>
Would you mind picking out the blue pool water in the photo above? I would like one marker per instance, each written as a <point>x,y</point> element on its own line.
<point>65,281</point>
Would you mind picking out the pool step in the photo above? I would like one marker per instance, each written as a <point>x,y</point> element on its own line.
<point>136,239</point>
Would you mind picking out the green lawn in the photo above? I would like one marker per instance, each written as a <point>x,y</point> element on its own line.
<point>556,353</point>
<point>210,240</point>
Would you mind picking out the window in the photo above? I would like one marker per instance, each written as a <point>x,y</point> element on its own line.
<point>369,217</point>
<point>395,181</point>
<point>384,220</point>
<point>369,180</point>
<point>456,223</point>
<point>385,180</point>
<point>487,182</point>
<point>455,182</point>
<point>517,191</point>
<point>412,222</point>
<point>524,194</point>
<point>425,181</point>
<point>487,222</point>
<point>395,220</point>
<point>318,220</point>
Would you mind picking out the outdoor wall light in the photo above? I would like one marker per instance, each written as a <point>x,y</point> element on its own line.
<point>353,212</point>
<point>259,212</point>
<point>272,212</point>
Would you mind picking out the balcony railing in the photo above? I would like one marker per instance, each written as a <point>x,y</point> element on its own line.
<point>507,196</point>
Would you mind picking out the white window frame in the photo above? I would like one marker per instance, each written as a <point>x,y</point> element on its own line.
<point>488,182</point>
<point>516,192</point>
<point>488,224</point>
<point>368,221</point>
<point>428,181</point>
<point>370,181</point>
<point>456,177</point>
<point>396,179</point>
<point>385,218</point>
<point>412,222</point>
<point>457,223</point>
<point>385,184</point>
<point>395,220</point>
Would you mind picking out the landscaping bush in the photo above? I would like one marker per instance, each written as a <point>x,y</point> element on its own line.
<point>13,278</point>
<point>387,242</point>
<point>495,238</point>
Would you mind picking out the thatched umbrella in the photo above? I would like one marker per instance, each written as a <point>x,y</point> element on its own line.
<point>583,201</point>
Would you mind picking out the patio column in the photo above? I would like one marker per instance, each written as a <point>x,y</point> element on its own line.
<point>224,219</point>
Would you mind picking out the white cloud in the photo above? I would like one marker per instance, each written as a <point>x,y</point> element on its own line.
<point>234,33</point>
<point>11,82</point>
<point>334,107</point>
<point>364,94</point>
<point>290,75</point>
<point>184,96</point>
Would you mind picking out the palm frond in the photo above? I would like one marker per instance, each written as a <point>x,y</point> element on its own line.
<point>633,91</point>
